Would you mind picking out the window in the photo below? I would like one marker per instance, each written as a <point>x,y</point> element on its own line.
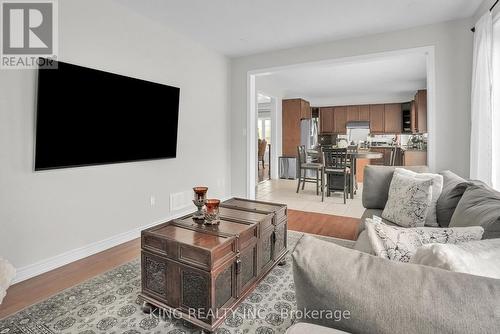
<point>267,127</point>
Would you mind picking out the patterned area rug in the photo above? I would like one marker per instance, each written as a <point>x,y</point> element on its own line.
<point>108,304</point>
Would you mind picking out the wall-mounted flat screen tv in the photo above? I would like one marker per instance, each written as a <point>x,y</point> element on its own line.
<point>89,117</point>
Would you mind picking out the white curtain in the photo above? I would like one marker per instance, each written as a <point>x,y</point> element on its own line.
<point>495,175</point>
<point>481,146</point>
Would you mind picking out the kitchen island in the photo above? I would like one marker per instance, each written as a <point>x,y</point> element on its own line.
<point>405,156</point>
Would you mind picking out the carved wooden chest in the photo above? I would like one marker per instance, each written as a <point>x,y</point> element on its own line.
<point>201,271</point>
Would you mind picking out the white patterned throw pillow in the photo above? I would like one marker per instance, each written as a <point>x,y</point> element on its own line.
<point>481,258</point>
<point>437,188</point>
<point>408,201</point>
<point>401,244</point>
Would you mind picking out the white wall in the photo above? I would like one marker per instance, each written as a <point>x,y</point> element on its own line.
<point>44,214</point>
<point>485,6</point>
<point>453,52</point>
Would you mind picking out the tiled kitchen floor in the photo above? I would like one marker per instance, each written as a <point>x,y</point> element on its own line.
<point>283,191</point>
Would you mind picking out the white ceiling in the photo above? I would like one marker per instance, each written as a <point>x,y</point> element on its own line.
<point>393,78</point>
<point>242,27</point>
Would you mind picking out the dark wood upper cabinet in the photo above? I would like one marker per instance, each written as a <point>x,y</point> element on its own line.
<point>421,111</point>
<point>291,116</point>
<point>352,113</point>
<point>305,110</point>
<point>393,117</point>
<point>377,118</point>
<point>326,120</point>
<point>339,120</point>
<point>358,113</point>
<point>383,118</point>
<point>364,112</point>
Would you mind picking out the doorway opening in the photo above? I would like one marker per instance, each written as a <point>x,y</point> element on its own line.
<point>264,138</point>
<point>344,82</point>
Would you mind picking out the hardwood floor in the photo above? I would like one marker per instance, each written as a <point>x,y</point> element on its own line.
<point>323,224</point>
<point>36,289</point>
<point>41,287</point>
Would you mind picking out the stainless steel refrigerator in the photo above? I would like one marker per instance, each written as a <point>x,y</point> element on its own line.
<point>288,166</point>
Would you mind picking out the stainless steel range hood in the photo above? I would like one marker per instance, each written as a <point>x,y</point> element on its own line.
<point>358,125</point>
<point>357,131</point>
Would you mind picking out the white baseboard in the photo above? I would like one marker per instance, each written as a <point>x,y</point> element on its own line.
<point>57,261</point>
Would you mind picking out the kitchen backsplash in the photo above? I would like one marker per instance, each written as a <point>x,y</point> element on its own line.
<point>388,139</point>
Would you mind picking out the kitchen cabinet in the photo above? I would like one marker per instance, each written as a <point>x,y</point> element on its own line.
<point>380,161</point>
<point>377,112</point>
<point>305,109</point>
<point>364,113</point>
<point>414,158</point>
<point>393,118</point>
<point>339,120</point>
<point>420,112</point>
<point>293,111</point>
<point>326,120</point>
<point>383,118</point>
<point>352,113</point>
<point>358,113</point>
<point>385,160</point>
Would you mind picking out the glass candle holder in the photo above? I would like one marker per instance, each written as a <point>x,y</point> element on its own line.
<point>212,211</point>
<point>200,197</point>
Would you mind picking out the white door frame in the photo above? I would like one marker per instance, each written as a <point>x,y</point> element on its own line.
<point>275,136</point>
<point>275,117</point>
<point>429,51</point>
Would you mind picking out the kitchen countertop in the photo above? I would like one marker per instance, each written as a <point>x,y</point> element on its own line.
<point>402,147</point>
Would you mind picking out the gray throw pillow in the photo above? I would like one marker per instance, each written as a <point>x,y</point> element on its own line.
<point>479,206</point>
<point>384,296</point>
<point>453,189</point>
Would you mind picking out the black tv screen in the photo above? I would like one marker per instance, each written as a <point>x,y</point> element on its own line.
<point>88,117</point>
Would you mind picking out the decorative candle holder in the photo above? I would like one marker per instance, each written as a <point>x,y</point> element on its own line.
<point>212,211</point>
<point>200,197</point>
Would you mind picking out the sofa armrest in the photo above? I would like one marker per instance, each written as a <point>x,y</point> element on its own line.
<point>376,183</point>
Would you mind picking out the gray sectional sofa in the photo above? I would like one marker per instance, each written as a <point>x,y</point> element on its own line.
<point>477,203</point>
<point>391,297</point>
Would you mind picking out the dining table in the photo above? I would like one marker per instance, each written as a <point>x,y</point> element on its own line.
<point>354,155</point>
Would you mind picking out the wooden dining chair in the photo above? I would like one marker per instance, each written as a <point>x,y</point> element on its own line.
<point>318,167</point>
<point>337,171</point>
<point>392,159</point>
<point>261,150</point>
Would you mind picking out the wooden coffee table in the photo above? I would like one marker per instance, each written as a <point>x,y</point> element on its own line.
<point>201,272</point>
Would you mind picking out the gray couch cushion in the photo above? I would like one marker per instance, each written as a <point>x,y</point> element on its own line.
<point>479,206</point>
<point>453,189</point>
<point>376,183</point>
<point>383,296</point>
